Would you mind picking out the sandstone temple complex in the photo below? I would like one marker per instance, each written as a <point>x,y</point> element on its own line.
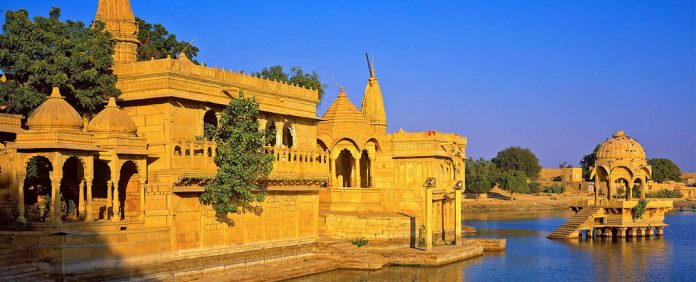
<point>123,188</point>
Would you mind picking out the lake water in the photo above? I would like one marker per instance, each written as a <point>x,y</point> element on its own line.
<point>530,256</point>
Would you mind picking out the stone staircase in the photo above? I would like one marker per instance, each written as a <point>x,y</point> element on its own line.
<point>349,256</point>
<point>16,265</point>
<point>571,228</point>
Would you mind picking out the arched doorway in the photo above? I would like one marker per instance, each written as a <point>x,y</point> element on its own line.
<point>638,189</point>
<point>72,189</point>
<point>210,125</point>
<point>344,168</point>
<point>129,191</point>
<point>365,170</point>
<point>288,138</point>
<point>37,188</point>
<point>271,130</point>
<point>101,196</point>
<point>621,188</point>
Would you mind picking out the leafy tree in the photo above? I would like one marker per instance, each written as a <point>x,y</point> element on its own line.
<point>156,42</point>
<point>242,163</point>
<point>587,162</point>
<point>295,76</point>
<point>517,158</point>
<point>513,181</point>
<point>37,55</point>
<point>664,170</point>
<point>480,175</point>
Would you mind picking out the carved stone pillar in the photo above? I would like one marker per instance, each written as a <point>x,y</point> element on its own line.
<point>458,217</point>
<point>116,205</point>
<point>81,198</point>
<point>357,177</point>
<point>109,199</point>
<point>279,125</point>
<point>56,209</point>
<point>20,199</point>
<point>89,206</point>
<point>428,219</point>
<point>143,186</point>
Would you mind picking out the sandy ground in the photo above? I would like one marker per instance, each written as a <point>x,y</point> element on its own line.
<point>499,199</point>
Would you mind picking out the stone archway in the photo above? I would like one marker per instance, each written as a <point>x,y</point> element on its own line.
<point>271,130</point>
<point>288,136</point>
<point>344,168</point>
<point>210,124</point>
<point>101,190</point>
<point>129,191</point>
<point>37,188</point>
<point>72,189</point>
<point>365,170</point>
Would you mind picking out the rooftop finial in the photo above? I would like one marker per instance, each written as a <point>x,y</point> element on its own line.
<point>111,103</point>
<point>619,133</point>
<point>55,93</point>
<point>369,66</point>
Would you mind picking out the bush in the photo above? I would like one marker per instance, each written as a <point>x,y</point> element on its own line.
<point>360,242</point>
<point>664,193</point>
<point>535,187</point>
<point>555,189</point>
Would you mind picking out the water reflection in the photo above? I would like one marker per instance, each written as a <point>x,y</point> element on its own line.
<point>530,256</point>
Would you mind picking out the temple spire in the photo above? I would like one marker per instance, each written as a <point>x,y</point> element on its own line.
<point>373,104</point>
<point>120,22</point>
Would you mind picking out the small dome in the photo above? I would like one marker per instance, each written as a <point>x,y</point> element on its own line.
<point>55,114</point>
<point>112,120</point>
<point>621,146</point>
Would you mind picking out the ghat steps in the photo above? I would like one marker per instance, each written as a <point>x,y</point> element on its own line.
<point>14,266</point>
<point>572,226</point>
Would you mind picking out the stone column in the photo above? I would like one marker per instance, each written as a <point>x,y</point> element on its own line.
<point>372,173</point>
<point>143,186</point>
<point>20,199</point>
<point>358,180</point>
<point>428,219</point>
<point>109,199</point>
<point>89,205</point>
<point>56,210</point>
<point>630,190</point>
<point>192,147</point>
<point>620,232</point>
<point>81,198</point>
<point>116,205</point>
<point>596,190</point>
<point>279,125</point>
<point>631,232</point>
<point>648,232</point>
<point>659,231</point>
<point>458,217</point>
<point>262,123</point>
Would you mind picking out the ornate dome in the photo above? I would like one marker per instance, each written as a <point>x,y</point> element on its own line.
<point>112,120</point>
<point>621,146</point>
<point>55,114</point>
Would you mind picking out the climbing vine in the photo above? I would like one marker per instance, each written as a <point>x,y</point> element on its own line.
<point>639,209</point>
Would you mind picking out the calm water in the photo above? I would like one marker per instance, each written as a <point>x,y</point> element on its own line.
<point>532,257</point>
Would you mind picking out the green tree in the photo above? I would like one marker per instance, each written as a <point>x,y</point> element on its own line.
<point>156,42</point>
<point>295,76</point>
<point>517,158</point>
<point>664,170</point>
<point>242,163</point>
<point>480,175</point>
<point>513,181</point>
<point>37,55</point>
<point>588,161</point>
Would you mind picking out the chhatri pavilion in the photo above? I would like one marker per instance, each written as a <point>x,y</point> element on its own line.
<point>620,172</point>
<point>122,189</point>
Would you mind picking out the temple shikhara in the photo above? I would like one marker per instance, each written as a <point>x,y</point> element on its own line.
<point>122,189</point>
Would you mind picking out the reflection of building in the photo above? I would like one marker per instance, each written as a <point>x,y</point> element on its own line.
<point>128,182</point>
<point>620,172</point>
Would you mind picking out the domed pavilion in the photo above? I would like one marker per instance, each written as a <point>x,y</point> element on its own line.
<point>621,163</point>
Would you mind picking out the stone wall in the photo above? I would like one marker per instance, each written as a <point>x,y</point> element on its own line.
<point>373,226</point>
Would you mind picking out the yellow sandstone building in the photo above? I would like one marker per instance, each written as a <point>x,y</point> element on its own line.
<point>133,173</point>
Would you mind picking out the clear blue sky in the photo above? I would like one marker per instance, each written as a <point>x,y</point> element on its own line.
<point>557,77</point>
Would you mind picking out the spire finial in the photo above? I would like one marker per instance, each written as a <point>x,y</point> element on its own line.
<point>111,103</point>
<point>342,92</point>
<point>55,93</point>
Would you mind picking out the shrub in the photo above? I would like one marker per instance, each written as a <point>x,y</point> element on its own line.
<point>555,189</point>
<point>639,209</point>
<point>360,242</point>
<point>664,193</point>
<point>535,187</point>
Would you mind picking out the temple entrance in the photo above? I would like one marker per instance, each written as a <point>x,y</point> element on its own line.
<point>37,188</point>
<point>72,190</point>
<point>365,170</point>
<point>344,168</point>
<point>129,191</point>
